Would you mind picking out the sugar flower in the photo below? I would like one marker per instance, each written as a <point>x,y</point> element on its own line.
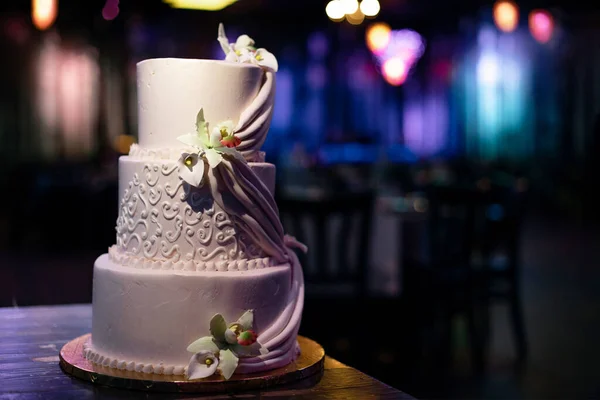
<point>244,51</point>
<point>265,59</point>
<point>209,147</point>
<point>202,364</point>
<point>229,342</point>
<point>224,131</point>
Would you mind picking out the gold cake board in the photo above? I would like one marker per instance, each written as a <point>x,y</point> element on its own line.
<point>308,366</point>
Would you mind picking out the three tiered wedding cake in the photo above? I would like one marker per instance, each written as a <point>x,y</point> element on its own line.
<point>202,278</point>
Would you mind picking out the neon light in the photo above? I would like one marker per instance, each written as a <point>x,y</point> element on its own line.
<point>541,25</point>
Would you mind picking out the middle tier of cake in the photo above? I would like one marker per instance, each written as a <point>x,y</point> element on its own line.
<point>164,223</point>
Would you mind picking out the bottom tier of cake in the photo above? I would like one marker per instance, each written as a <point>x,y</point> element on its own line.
<point>144,319</point>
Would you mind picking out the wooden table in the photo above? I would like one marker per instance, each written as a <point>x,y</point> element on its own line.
<point>31,337</point>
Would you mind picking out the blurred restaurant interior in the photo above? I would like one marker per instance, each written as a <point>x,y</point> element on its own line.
<point>437,157</point>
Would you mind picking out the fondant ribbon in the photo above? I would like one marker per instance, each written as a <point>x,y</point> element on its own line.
<point>254,122</point>
<point>237,189</point>
<point>291,242</point>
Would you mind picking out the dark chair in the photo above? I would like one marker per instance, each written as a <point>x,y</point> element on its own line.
<point>336,228</point>
<point>443,278</point>
<point>338,255</point>
<point>498,269</point>
<point>437,279</point>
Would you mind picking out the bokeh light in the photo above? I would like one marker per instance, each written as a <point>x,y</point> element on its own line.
<point>318,45</point>
<point>506,15</point>
<point>67,84</point>
<point>43,13</point>
<point>349,6</point>
<point>335,10</point>
<point>208,5</point>
<point>17,30</point>
<point>122,143</point>
<point>395,71</point>
<point>488,69</point>
<point>356,18</point>
<point>110,10</point>
<point>403,50</point>
<point>404,43</point>
<point>370,8</point>
<point>541,25</point>
<point>351,10</point>
<point>378,37</point>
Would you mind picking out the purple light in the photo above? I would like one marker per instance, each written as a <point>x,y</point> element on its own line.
<point>425,122</point>
<point>318,45</point>
<point>316,76</point>
<point>404,49</point>
<point>406,44</point>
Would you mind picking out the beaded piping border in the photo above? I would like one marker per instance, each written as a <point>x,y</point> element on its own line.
<point>187,265</point>
<point>106,361</point>
<point>173,153</point>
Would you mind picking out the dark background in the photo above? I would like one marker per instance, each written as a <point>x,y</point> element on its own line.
<point>481,112</point>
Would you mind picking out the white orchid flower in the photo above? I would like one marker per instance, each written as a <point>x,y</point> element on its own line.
<point>202,364</point>
<point>241,55</point>
<point>265,59</point>
<point>230,341</point>
<point>225,130</point>
<point>212,150</point>
<point>232,57</point>
<point>243,51</point>
<point>244,42</point>
<point>223,41</point>
<point>210,147</point>
<point>242,45</point>
<point>191,169</point>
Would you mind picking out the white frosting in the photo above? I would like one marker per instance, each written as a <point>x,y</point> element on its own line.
<point>161,218</point>
<point>171,91</point>
<point>137,152</point>
<point>143,320</point>
<point>265,171</point>
<point>127,260</point>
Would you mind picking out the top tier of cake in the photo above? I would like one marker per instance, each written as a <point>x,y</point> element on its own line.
<point>171,91</point>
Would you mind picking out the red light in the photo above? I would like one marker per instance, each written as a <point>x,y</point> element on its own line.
<point>541,25</point>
